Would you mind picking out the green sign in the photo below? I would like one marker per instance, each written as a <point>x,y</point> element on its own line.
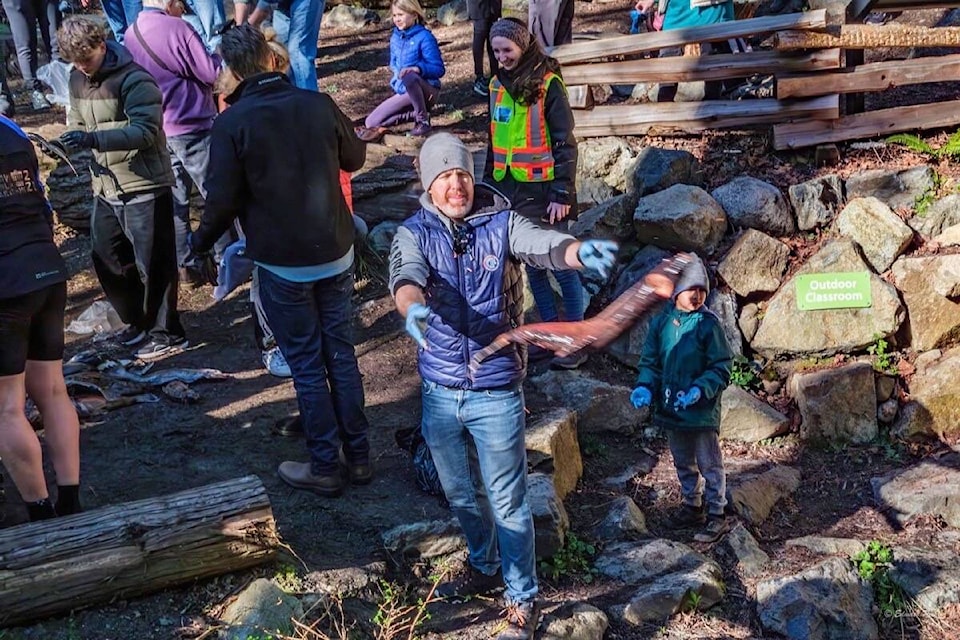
<point>833,290</point>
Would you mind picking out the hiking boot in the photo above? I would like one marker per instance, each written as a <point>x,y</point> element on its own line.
<point>289,427</point>
<point>421,130</point>
<point>716,527</point>
<point>38,101</point>
<point>688,516</point>
<point>572,361</point>
<point>276,364</point>
<point>522,620</point>
<point>159,348</point>
<point>130,337</point>
<point>469,584</point>
<point>301,476</point>
<point>371,134</point>
<point>360,473</point>
<point>481,87</point>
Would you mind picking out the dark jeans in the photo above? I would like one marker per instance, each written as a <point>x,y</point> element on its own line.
<point>404,107</point>
<point>481,42</point>
<point>24,15</point>
<point>135,258</point>
<point>311,323</point>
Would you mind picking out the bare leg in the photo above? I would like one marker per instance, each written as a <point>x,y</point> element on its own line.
<point>19,447</point>
<point>61,427</point>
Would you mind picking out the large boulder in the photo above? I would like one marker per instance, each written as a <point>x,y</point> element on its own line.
<point>345,16</point>
<point>934,404</point>
<point>628,346</point>
<point>837,405</point>
<point>748,558</point>
<point>611,218</point>
<point>681,217</point>
<point>816,201</point>
<point>577,621</point>
<point>745,417</point>
<point>880,232</point>
<point>624,520</point>
<point>899,189</point>
<point>723,303</point>
<point>609,160</point>
<point>929,577</point>
<point>550,520</point>
<point>754,264</point>
<point>942,214</point>
<point>754,489</point>
<point>552,447</point>
<point>755,204</point>
<point>934,319</point>
<point>261,608</point>
<point>930,488</point>
<point>827,601</point>
<point>600,406</point>
<point>453,12</point>
<point>785,330</point>
<point>425,539</point>
<point>656,169</point>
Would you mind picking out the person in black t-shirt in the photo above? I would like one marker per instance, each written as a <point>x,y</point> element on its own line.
<point>33,295</point>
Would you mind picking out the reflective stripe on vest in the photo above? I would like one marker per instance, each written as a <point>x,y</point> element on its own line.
<point>519,135</point>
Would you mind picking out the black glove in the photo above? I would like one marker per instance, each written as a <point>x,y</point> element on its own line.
<point>77,140</point>
<point>201,262</point>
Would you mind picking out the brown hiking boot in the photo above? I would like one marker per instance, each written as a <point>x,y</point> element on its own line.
<point>716,527</point>
<point>522,620</point>
<point>469,584</point>
<point>299,475</point>
<point>688,516</point>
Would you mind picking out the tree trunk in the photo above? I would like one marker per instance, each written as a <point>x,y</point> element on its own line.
<point>135,548</point>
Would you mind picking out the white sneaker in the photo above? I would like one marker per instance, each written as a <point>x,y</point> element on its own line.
<point>275,363</point>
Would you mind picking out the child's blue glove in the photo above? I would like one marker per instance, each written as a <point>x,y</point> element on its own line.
<point>598,255</point>
<point>687,398</point>
<point>635,18</point>
<point>641,397</point>
<point>417,322</point>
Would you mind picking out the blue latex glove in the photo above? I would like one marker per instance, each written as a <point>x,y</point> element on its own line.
<point>417,322</point>
<point>687,398</point>
<point>77,140</point>
<point>641,397</point>
<point>598,255</point>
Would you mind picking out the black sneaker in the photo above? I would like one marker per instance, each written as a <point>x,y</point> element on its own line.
<point>481,87</point>
<point>155,348</point>
<point>716,527</point>
<point>688,516</point>
<point>522,620</point>
<point>469,584</point>
<point>131,336</point>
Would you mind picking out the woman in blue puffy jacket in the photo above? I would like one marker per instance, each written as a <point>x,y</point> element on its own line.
<point>417,68</point>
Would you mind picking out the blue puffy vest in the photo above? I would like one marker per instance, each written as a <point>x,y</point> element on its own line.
<point>474,298</point>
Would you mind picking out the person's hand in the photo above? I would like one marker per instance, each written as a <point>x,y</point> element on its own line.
<point>407,70</point>
<point>202,262</point>
<point>417,322</point>
<point>641,397</point>
<point>598,255</point>
<point>77,140</point>
<point>685,399</point>
<point>556,212</point>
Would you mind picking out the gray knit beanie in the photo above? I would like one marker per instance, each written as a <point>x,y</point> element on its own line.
<point>512,30</point>
<point>694,276</point>
<point>442,152</point>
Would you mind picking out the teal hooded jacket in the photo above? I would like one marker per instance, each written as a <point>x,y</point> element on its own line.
<point>682,350</point>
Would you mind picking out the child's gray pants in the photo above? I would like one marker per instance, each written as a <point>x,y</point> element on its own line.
<point>697,453</point>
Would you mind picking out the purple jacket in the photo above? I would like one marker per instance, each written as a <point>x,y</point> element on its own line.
<point>187,74</point>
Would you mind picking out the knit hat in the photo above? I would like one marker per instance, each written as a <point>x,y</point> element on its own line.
<point>512,30</point>
<point>442,152</point>
<point>694,276</point>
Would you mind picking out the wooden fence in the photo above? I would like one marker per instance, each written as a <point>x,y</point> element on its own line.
<point>813,64</point>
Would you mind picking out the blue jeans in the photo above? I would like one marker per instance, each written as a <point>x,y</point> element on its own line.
<point>120,15</point>
<point>299,31</point>
<point>570,288</point>
<point>311,323</point>
<point>476,439</point>
<point>206,17</point>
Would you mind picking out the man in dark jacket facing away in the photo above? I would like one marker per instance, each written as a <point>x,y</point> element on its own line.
<point>275,159</point>
<point>455,276</point>
<point>115,110</point>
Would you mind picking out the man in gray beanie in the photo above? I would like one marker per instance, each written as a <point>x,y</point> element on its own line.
<point>455,277</point>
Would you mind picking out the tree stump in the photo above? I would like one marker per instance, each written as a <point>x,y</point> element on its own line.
<point>135,548</point>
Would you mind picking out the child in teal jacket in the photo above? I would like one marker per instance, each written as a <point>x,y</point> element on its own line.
<point>684,368</point>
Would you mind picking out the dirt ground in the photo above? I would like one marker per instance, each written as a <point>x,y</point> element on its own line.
<point>149,450</point>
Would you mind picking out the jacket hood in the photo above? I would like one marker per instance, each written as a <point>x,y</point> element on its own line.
<point>116,58</point>
<point>486,200</point>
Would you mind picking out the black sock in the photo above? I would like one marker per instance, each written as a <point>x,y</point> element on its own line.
<point>41,510</point>
<point>68,499</point>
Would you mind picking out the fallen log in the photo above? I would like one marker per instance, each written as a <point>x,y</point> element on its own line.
<point>131,549</point>
<point>867,125</point>
<point>868,36</point>
<point>876,76</point>
<point>642,42</point>
<point>694,117</point>
<point>699,68</point>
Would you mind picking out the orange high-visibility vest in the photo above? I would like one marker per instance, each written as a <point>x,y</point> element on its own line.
<point>519,135</point>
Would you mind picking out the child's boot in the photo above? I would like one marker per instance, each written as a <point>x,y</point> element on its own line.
<point>717,526</point>
<point>688,515</point>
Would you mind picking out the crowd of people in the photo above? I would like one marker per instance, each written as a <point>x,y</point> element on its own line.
<point>271,157</point>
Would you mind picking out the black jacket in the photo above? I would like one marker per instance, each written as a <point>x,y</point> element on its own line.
<point>275,161</point>
<point>29,260</point>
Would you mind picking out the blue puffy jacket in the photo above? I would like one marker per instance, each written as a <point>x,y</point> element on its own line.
<point>415,47</point>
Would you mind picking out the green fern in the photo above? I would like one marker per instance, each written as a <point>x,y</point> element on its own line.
<point>912,142</point>
<point>951,147</point>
